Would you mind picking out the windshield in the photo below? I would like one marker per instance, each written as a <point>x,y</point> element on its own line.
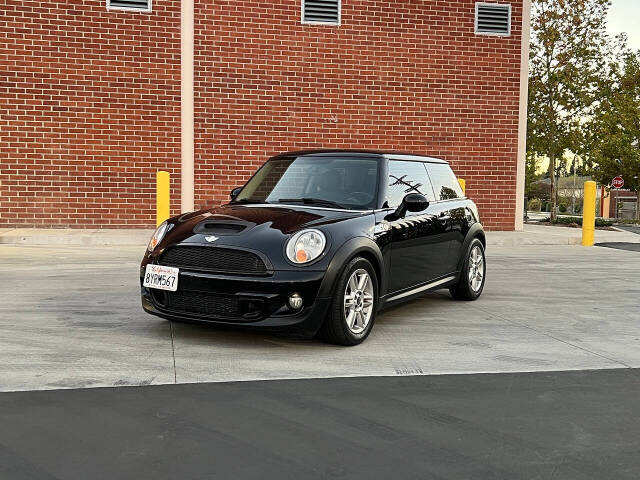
<point>332,182</point>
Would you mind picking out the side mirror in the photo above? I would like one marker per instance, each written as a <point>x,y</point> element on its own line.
<point>412,202</point>
<point>234,193</point>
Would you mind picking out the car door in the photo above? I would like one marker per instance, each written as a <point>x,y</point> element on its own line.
<point>452,214</point>
<point>418,242</point>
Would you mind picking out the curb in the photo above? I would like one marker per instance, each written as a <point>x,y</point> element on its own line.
<point>516,241</point>
<point>78,238</point>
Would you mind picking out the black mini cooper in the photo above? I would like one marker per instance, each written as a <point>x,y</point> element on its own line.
<point>317,242</point>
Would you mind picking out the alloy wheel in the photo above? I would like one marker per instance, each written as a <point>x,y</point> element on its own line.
<point>476,268</point>
<point>358,301</point>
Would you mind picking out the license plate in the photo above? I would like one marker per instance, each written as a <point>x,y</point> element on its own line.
<point>161,277</point>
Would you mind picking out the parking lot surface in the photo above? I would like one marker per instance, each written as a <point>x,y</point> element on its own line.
<point>552,425</point>
<point>71,318</point>
<point>630,228</point>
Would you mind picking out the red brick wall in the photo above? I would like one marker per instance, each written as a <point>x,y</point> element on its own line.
<point>409,76</point>
<point>89,110</point>
<point>89,99</point>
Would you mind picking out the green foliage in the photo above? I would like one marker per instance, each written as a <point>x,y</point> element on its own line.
<point>565,202</point>
<point>534,205</point>
<point>600,222</point>
<point>531,176</point>
<point>616,135</point>
<point>568,45</point>
<point>541,190</point>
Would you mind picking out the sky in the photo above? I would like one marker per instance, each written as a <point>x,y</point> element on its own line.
<point>624,16</point>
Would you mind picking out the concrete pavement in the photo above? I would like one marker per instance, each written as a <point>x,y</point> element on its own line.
<point>545,234</point>
<point>71,318</point>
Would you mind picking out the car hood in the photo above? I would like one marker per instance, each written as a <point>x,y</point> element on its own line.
<point>250,225</point>
<point>285,218</point>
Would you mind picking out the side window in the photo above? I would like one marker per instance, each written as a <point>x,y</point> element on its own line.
<point>404,178</point>
<point>445,183</point>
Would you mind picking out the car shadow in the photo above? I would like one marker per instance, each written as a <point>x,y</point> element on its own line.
<point>194,333</point>
<point>221,336</point>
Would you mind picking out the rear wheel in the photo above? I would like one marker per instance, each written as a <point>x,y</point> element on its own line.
<point>353,308</point>
<point>473,274</point>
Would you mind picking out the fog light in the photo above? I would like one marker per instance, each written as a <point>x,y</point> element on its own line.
<point>295,301</point>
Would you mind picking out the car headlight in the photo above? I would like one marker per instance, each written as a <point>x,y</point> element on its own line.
<point>158,235</point>
<point>306,246</point>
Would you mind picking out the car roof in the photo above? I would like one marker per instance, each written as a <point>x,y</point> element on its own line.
<point>380,154</point>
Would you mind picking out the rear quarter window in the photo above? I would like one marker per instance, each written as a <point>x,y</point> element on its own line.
<point>445,183</point>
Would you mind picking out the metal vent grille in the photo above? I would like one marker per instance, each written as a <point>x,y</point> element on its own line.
<point>214,259</point>
<point>493,19</point>
<point>141,5</point>
<point>321,11</point>
<point>199,303</point>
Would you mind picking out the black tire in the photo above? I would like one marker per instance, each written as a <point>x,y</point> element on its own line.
<point>464,290</point>
<point>335,329</point>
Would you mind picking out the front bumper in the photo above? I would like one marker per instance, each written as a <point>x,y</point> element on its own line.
<point>244,302</point>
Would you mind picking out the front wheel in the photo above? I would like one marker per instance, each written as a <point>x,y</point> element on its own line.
<point>473,274</point>
<point>354,304</point>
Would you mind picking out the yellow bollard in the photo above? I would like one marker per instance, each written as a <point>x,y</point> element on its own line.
<point>463,184</point>
<point>162,197</point>
<point>589,214</point>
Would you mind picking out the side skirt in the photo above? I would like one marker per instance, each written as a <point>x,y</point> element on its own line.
<point>444,282</point>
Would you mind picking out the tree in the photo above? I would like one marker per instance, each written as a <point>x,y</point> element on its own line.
<point>531,176</point>
<point>568,45</point>
<point>541,190</point>
<point>617,149</point>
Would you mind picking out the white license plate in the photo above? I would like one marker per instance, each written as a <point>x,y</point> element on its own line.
<point>161,277</point>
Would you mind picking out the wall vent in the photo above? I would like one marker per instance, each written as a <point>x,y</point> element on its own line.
<point>138,5</point>
<point>321,11</point>
<point>493,19</point>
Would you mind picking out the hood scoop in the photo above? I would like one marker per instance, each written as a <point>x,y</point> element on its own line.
<point>221,227</point>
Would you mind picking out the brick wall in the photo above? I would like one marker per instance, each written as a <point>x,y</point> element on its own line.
<point>409,76</point>
<point>89,110</point>
<point>89,99</point>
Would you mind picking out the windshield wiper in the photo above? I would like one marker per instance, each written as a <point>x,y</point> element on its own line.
<point>312,201</point>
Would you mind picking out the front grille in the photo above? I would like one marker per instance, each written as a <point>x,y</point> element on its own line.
<point>214,259</point>
<point>210,304</point>
<point>200,303</point>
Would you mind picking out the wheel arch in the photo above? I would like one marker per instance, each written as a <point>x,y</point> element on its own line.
<point>368,255</point>
<point>476,231</point>
<point>359,246</point>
